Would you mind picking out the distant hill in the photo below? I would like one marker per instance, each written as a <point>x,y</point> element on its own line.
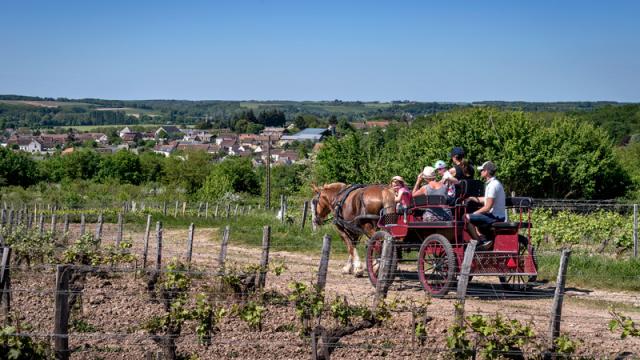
<point>37,112</point>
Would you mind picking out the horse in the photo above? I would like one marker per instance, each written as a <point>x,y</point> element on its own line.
<point>356,210</point>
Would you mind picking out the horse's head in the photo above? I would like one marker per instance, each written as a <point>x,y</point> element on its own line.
<point>323,201</point>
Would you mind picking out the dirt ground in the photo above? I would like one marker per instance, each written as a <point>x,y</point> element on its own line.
<point>116,306</point>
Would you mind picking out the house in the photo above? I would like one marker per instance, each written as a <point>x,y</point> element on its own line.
<point>34,146</point>
<point>97,137</point>
<point>126,130</point>
<point>131,137</point>
<point>308,134</point>
<point>54,140</point>
<point>165,150</point>
<point>170,130</point>
<point>274,132</point>
<point>226,138</point>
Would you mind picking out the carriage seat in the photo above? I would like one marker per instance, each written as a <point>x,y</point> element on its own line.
<point>510,225</point>
<point>428,200</point>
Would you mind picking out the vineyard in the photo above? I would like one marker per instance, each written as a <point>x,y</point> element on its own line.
<point>235,281</point>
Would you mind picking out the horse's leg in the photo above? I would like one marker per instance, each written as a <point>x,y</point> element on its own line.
<point>369,230</point>
<point>348,267</point>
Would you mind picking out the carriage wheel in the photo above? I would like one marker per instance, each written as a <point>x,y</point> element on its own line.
<point>520,282</point>
<point>436,265</point>
<point>374,254</point>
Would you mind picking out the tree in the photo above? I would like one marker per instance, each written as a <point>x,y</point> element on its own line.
<point>17,168</point>
<point>122,166</point>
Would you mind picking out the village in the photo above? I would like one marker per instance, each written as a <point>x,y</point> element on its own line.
<point>281,143</point>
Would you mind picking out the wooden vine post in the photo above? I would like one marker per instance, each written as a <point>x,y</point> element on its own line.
<point>145,250</point>
<point>223,249</point>
<point>190,244</point>
<point>264,260</point>
<point>463,281</point>
<point>61,312</point>
<point>558,296</point>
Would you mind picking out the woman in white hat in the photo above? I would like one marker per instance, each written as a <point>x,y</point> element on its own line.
<point>432,187</point>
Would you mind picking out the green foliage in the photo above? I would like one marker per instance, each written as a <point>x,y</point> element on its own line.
<point>15,346</point>
<point>82,326</point>
<point>495,337</point>
<point>560,157</point>
<point>308,301</point>
<point>122,166</point>
<point>624,323</point>
<point>86,251</point>
<point>565,346</point>
<point>252,313</point>
<point>17,168</point>
<point>30,245</point>
<point>207,317</point>
<point>565,228</point>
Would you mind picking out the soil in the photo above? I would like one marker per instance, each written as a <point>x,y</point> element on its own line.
<point>117,305</point>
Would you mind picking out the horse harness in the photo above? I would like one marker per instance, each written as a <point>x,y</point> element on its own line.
<point>338,220</point>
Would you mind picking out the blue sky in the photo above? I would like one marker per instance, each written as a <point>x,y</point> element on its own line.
<point>322,50</point>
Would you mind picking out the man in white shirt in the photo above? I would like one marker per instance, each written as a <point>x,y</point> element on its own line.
<point>493,206</point>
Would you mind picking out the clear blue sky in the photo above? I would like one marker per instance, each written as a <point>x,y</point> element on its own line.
<point>322,50</point>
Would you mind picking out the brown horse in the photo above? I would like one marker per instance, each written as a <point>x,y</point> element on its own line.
<point>356,212</point>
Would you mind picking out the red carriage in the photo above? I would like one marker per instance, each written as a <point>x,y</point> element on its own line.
<point>440,245</point>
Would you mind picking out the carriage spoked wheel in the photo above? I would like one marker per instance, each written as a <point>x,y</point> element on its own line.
<point>436,265</point>
<point>374,255</point>
<point>520,282</point>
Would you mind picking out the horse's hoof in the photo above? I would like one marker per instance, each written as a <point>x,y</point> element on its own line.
<point>359,273</point>
<point>347,270</point>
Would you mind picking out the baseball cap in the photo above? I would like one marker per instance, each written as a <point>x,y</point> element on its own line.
<point>440,165</point>
<point>489,166</point>
<point>429,172</point>
<point>457,150</point>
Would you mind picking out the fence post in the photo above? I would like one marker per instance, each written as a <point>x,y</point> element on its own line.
<point>61,312</point>
<point>159,246</point>
<point>145,251</point>
<point>635,230</point>
<point>199,208</point>
<point>41,223</point>
<point>99,228</point>
<point>4,217</point>
<point>175,212</point>
<point>190,244</point>
<point>184,207</point>
<point>223,249</point>
<point>558,296</point>
<point>228,211</point>
<point>82,224</point>
<point>206,210</point>
<point>164,208</point>
<point>120,230</point>
<point>305,209</point>
<point>282,210</point>
<point>235,212</point>
<point>384,272</point>
<point>10,221</point>
<point>324,263</point>
<point>54,222</point>
<point>463,281</point>
<point>215,212</point>
<point>5,284</point>
<point>264,260</point>
<point>29,220</point>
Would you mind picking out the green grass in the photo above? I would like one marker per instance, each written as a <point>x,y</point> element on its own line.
<point>593,272</point>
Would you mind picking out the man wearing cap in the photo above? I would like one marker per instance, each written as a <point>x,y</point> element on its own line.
<point>493,206</point>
